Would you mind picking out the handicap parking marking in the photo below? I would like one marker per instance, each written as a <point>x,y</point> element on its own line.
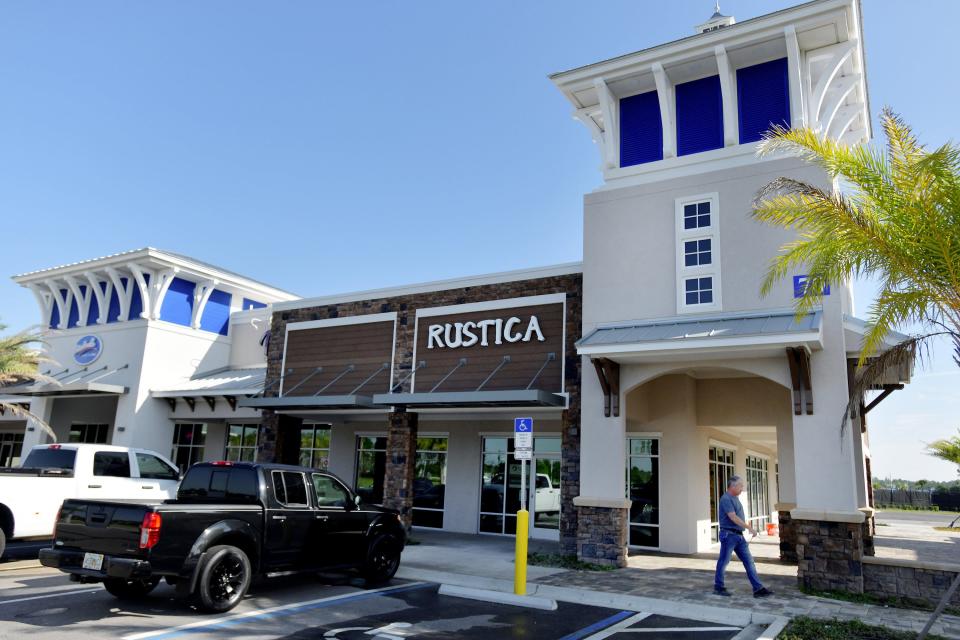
<point>666,627</point>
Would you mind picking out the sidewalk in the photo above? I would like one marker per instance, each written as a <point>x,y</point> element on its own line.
<point>682,584</point>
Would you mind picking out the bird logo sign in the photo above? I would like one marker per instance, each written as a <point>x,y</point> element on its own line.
<point>88,349</point>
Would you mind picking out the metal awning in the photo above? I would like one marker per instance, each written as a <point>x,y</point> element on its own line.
<point>71,390</point>
<point>470,399</point>
<point>697,337</point>
<point>288,403</point>
<point>225,382</point>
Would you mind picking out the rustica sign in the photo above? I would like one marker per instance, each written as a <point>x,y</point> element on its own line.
<point>453,335</point>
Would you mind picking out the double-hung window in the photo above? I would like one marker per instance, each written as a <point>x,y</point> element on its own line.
<point>698,254</point>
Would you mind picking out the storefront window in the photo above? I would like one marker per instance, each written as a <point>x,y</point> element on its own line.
<point>242,443</point>
<point>11,447</point>
<point>758,492</point>
<point>189,440</point>
<point>315,446</point>
<point>721,468</point>
<point>371,468</point>
<point>501,482</point>
<point>430,482</point>
<point>89,433</point>
<point>643,490</point>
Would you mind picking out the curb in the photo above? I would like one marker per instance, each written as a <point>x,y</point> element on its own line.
<point>18,565</point>
<point>707,613</point>
<point>499,597</point>
<point>774,629</point>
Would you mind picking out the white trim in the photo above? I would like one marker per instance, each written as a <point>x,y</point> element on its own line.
<point>201,295</point>
<point>569,268</point>
<point>45,302</point>
<point>713,442</point>
<point>687,344</point>
<point>756,454</point>
<point>728,96</point>
<point>798,104</point>
<point>490,305</point>
<point>124,293</point>
<point>339,322</point>
<point>82,299</point>
<point>650,435</point>
<point>667,101</point>
<point>159,286</point>
<point>683,272</point>
<point>342,320</point>
<point>609,107</point>
<point>102,295</point>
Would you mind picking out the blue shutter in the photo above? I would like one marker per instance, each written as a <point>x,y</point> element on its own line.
<point>641,130</point>
<point>177,305</point>
<point>763,98</point>
<point>216,315</point>
<point>699,116</point>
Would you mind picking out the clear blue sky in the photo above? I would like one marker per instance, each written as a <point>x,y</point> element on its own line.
<point>326,147</point>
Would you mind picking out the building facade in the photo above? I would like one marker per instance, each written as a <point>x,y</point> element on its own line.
<point>653,371</point>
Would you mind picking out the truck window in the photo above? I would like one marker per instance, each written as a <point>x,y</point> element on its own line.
<point>213,484</point>
<point>115,464</point>
<point>330,493</point>
<point>289,488</point>
<point>154,468</point>
<point>51,459</point>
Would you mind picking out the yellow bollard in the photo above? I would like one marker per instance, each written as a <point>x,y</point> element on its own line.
<point>520,559</point>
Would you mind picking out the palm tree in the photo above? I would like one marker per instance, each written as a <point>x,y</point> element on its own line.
<point>19,363</point>
<point>947,449</point>
<point>895,217</point>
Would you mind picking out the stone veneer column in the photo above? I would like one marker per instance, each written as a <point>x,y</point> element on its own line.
<point>830,554</point>
<point>401,458</point>
<point>788,533</point>
<point>569,479</point>
<point>602,532</point>
<point>279,438</point>
<point>869,531</point>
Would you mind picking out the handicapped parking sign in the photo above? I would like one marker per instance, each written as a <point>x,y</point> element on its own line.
<point>523,425</point>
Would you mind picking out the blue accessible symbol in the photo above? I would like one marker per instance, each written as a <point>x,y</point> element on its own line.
<point>523,425</point>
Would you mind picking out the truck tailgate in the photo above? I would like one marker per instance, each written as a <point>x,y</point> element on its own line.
<point>111,528</point>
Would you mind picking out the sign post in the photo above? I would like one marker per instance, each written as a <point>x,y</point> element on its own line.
<point>522,451</point>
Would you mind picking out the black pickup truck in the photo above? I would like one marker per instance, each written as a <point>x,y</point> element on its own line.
<point>229,522</point>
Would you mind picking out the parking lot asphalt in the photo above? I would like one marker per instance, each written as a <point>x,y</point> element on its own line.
<point>26,550</point>
<point>43,604</point>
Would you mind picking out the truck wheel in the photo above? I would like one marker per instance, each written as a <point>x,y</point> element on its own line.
<point>383,560</point>
<point>3,542</point>
<point>224,578</point>
<point>130,589</point>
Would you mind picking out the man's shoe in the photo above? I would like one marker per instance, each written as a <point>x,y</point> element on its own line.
<point>762,592</point>
<point>721,592</point>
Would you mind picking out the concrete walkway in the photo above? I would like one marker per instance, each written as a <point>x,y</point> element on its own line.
<point>906,535</point>
<point>684,581</point>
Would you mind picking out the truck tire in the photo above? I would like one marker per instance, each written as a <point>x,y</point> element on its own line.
<point>3,542</point>
<point>130,589</point>
<point>224,577</point>
<point>383,560</point>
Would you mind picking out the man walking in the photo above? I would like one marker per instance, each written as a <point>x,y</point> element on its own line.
<point>732,524</point>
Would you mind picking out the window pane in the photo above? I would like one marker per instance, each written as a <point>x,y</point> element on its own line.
<point>279,492</point>
<point>491,494</point>
<point>111,464</point>
<point>329,492</point>
<point>690,285</point>
<point>296,489</point>
<point>692,298</point>
<point>703,207</point>
<point>703,221</point>
<point>644,490</point>
<point>544,445</point>
<point>706,297</point>
<point>644,536</point>
<point>495,445</point>
<point>690,210</point>
<point>154,468</point>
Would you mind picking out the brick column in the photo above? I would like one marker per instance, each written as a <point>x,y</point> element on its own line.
<point>830,555</point>
<point>569,479</point>
<point>401,458</point>
<point>602,534</point>
<point>279,438</point>
<point>788,533</point>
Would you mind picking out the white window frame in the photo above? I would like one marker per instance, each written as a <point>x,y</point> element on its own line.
<point>711,270</point>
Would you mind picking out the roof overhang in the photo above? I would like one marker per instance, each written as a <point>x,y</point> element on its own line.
<point>699,339</point>
<point>288,403</point>
<point>71,390</point>
<point>472,399</point>
<point>200,393</point>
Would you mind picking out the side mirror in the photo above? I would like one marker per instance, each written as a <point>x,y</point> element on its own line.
<point>356,501</point>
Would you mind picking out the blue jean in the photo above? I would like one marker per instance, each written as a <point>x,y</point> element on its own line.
<point>731,543</point>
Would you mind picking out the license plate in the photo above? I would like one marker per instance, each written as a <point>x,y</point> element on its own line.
<point>93,561</point>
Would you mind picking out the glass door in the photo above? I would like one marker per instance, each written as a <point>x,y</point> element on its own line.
<point>545,481</point>
<point>500,481</point>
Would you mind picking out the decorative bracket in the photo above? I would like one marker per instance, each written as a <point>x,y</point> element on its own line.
<point>62,302</point>
<point>124,292</point>
<point>608,108</point>
<point>201,295</point>
<point>102,295</point>
<point>173,403</point>
<point>608,373</point>
<point>211,401</point>
<point>82,297</point>
<point>799,360</point>
<point>666,99</point>
<point>728,96</point>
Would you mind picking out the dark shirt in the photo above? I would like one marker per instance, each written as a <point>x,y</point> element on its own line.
<point>728,504</point>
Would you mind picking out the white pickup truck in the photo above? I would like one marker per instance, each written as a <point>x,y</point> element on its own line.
<point>31,495</point>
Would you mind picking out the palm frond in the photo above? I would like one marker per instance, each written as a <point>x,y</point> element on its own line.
<point>20,412</point>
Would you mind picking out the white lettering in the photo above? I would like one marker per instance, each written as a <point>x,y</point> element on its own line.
<point>508,328</point>
<point>457,328</point>
<point>469,337</point>
<point>435,332</point>
<point>453,335</point>
<point>533,327</point>
<point>484,325</point>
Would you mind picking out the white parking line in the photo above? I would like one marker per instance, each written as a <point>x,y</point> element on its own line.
<point>678,629</point>
<point>50,595</point>
<point>216,622</point>
<point>617,628</point>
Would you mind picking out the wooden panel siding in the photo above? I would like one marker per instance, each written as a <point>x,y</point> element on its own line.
<point>526,358</point>
<point>367,346</point>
